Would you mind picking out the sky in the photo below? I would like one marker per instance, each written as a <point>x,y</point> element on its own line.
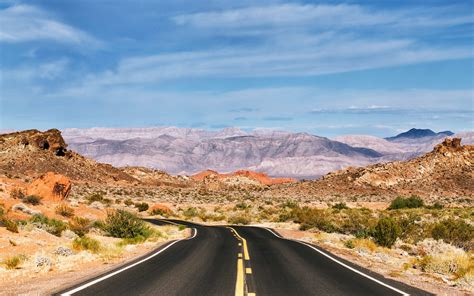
<point>327,68</point>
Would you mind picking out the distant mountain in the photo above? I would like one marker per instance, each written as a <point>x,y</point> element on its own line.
<point>415,133</point>
<point>277,153</point>
<point>188,151</point>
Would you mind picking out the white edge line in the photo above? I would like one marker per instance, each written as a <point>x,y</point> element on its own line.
<point>339,262</point>
<point>68,293</point>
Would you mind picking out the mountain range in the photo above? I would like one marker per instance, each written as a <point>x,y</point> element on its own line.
<point>277,153</point>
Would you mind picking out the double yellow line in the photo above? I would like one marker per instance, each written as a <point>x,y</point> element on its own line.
<point>239,285</point>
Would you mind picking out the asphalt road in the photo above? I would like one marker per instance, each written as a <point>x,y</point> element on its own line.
<point>239,261</point>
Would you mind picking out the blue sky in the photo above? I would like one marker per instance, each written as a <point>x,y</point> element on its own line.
<point>328,68</point>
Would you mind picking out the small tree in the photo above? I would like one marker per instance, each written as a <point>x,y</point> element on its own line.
<point>385,232</point>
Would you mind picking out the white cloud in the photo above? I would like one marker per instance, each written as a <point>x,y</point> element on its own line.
<point>23,23</point>
<point>322,16</point>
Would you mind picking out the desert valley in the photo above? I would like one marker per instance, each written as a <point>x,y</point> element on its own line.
<point>411,220</point>
<point>246,148</point>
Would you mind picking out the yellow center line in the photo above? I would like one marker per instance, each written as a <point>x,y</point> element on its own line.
<point>248,270</point>
<point>239,285</point>
<point>246,251</point>
<point>240,255</point>
<point>250,294</point>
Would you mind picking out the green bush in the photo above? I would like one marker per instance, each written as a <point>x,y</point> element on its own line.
<point>456,232</point>
<point>32,200</point>
<point>142,206</point>
<point>85,243</point>
<point>52,226</point>
<point>64,210</point>
<point>123,224</point>
<point>99,197</point>
<point>340,206</point>
<point>12,262</point>
<point>357,222</point>
<point>436,206</point>
<point>385,233</point>
<point>128,202</point>
<point>190,212</point>
<point>10,225</point>
<point>239,219</point>
<point>404,203</point>
<point>161,212</point>
<point>80,226</point>
<point>314,218</point>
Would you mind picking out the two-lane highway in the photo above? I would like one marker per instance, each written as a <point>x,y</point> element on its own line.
<point>287,267</point>
<point>239,260</point>
<point>203,265</point>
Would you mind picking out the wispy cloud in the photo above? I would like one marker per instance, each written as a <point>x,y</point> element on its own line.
<point>23,23</point>
<point>322,16</point>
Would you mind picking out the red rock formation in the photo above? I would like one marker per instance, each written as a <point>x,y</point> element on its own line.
<point>261,178</point>
<point>50,187</point>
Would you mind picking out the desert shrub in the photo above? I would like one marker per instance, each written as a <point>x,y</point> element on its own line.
<point>313,218</point>
<point>123,224</point>
<point>143,206</point>
<point>385,232</point>
<point>357,222</point>
<point>161,212</point>
<point>32,199</point>
<point>349,244</point>
<point>403,203</point>
<point>340,206</point>
<point>456,232</point>
<point>435,206</point>
<point>2,210</point>
<point>128,202</point>
<point>190,212</point>
<point>291,204</point>
<point>411,229</point>
<point>10,225</point>
<point>85,243</point>
<point>99,197</point>
<point>12,262</point>
<point>64,210</point>
<point>364,244</point>
<point>239,219</point>
<point>52,226</point>
<point>17,193</point>
<point>80,226</point>
<point>241,206</point>
<point>458,264</point>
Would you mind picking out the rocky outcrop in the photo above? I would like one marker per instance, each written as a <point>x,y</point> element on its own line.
<point>50,187</point>
<point>32,153</point>
<point>446,171</point>
<point>50,140</point>
<point>241,177</point>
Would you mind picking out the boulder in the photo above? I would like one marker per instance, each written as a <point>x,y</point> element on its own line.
<point>50,187</point>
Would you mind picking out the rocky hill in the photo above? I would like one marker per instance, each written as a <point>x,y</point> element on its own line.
<point>32,153</point>
<point>445,172</point>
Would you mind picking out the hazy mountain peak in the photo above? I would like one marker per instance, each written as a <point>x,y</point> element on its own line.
<point>416,133</point>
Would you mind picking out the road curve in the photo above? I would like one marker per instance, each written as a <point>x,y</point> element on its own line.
<point>222,260</point>
<point>287,267</point>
